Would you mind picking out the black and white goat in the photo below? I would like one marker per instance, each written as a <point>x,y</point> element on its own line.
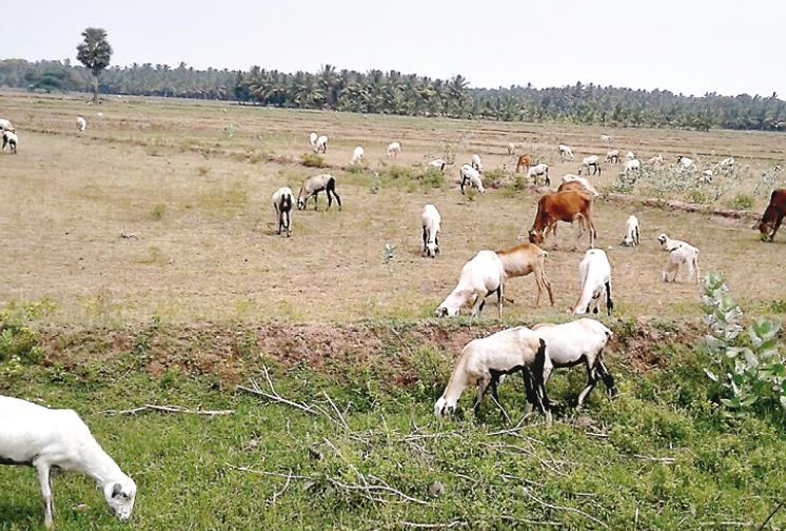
<point>313,185</point>
<point>283,202</point>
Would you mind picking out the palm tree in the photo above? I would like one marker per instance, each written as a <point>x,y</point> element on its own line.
<point>94,52</point>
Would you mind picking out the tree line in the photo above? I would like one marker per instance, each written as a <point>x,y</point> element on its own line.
<point>392,92</point>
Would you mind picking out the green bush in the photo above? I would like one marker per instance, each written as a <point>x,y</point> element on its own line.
<point>312,160</point>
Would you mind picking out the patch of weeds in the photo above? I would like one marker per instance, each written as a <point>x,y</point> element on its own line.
<point>203,170</point>
<point>399,173</point>
<point>432,370</point>
<point>17,340</point>
<point>742,202</point>
<point>494,178</point>
<point>355,169</point>
<point>158,212</point>
<point>471,194</point>
<point>312,160</point>
<point>778,306</point>
<point>433,178</point>
<point>698,196</point>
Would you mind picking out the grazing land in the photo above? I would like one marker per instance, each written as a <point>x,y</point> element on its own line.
<point>140,266</point>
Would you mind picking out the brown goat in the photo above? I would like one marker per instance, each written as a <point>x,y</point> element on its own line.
<point>525,161</point>
<point>567,206</point>
<point>524,259</point>
<point>771,220</point>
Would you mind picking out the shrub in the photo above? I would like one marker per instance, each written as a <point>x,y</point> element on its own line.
<point>158,212</point>
<point>494,178</point>
<point>312,160</point>
<point>742,202</point>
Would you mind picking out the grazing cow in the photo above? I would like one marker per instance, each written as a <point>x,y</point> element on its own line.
<point>773,216</point>
<point>567,206</point>
<point>525,161</point>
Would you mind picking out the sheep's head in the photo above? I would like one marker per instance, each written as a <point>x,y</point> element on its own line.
<point>442,408</point>
<point>662,239</point>
<point>432,250</point>
<point>120,496</point>
<point>301,203</point>
<point>445,311</point>
<point>535,237</point>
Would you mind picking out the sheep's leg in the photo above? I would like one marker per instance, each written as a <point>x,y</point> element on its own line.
<point>45,482</point>
<point>499,301</point>
<point>316,200</point>
<point>526,375</point>
<point>338,198</point>
<point>483,383</point>
<point>608,380</point>
<point>696,269</point>
<point>477,307</point>
<point>463,180</point>
<point>494,383</point>
<point>592,379</point>
<point>609,302</point>
<point>289,223</point>
<point>425,240</point>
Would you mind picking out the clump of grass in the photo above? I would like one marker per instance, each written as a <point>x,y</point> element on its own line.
<point>355,169</point>
<point>433,178</point>
<point>312,160</point>
<point>158,212</point>
<point>494,178</point>
<point>471,194</point>
<point>742,202</point>
<point>203,170</point>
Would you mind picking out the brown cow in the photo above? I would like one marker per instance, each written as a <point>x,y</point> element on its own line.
<point>771,220</point>
<point>524,259</point>
<point>567,206</point>
<point>525,161</point>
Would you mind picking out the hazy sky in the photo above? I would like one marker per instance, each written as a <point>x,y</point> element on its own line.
<point>686,46</point>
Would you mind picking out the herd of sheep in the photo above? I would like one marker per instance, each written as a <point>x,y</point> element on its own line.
<point>47,439</point>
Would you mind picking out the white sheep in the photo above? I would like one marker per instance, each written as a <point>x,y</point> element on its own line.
<point>726,164</point>
<point>632,165</point>
<point>312,139</point>
<point>570,178</point>
<point>430,220</point>
<point>11,140</point>
<point>321,144</point>
<point>438,164</point>
<point>480,277</point>
<point>630,155</point>
<point>565,152</point>
<point>313,185</point>
<point>57,438</point>
<point>593,162</point>
<point>357,155</point>
<point>605,139</point>
<point>595,277</point>
<point>282,204</point>
<point>484,361</point>
<point>613,156</point>
<point>81,123</point>
<point>539,170</point>
<point>657,159</point>
<point>394,148</point>
<point>574,343</point>
<point>6,125</point>
<point>680,253</point>
<point>685,162</point>
<point>476,163</point>
<point>470,175</point>
<point>511,148</point>
<point>631,238</point>
<point>706,176</point>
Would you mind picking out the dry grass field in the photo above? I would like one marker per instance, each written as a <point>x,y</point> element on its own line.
<point>162,209</point>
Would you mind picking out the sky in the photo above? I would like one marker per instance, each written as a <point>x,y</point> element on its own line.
<point>688,46</point>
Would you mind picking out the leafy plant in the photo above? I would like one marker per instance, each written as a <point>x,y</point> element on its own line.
<point>312,160</point>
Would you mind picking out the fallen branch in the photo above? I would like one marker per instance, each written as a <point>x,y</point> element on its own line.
<point>170,409</point>
<point>568,509</point>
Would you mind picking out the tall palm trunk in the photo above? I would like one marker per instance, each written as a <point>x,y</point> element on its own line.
<point>95,88</point>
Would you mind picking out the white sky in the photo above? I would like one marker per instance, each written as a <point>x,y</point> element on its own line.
<point>689,46</point>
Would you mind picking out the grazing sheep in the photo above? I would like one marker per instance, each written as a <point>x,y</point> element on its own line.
<point>321,145</point>
<point>593,162</point>
<point>524,259</point>
<point>525,161</point>
<point>430,219</point>
<point>613,156</point>
<point>357,156</point>
<point>6,125</point>
<point>605,139</point>
<point>313,185</point>
<point>632,165</point>
<point>312,139</point>
<point>483,361</point>
<point>470,175</point>
<point>511,148</point>
<point>536,171</point>
<point>575,182</point>
<point>685,162</point>
<point>631,238</point>
<point>565,152</point>
<point>630,155</point>
<point>726,164</point>
<point>480,277</point>
<point>10,139</point>
<point>595,277</point>
<point>282,204</point>
<point>394,148</point>
<point>706,176</point>
<point>680,253</point>
<point>438,164</point>
<point>81,123</point>
<point>580,341</point>
<point>567,206</point>
<point>47,439</point>
<point>657,159</point>
<point>771,220</point>
<point>476,163</point>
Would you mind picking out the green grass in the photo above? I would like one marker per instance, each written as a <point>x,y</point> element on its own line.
<point>658,457</point>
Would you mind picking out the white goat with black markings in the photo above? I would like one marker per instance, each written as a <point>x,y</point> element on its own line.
<point>595,277</point>
<point>357,156</point>
<point>632,165</point>
<point>480,277</point>
<point>472,176</point>
<point>321,144</point>
<point>657,159</point>
<point>283,200</point>
<point>565,153</point>
<point>680,254</point>
<point>484,361</point>
<point>685,162</point>
<point>613,156</point>
<point>438,164</point>
<point>6,125</point>
<point>430,220</point>
<point>47,439</point>
<point>605,139</point>
<point>394,148</point>
<point>313,185</point>
<point>11,140</point>
<point>631,238</point>
<point>476,163</point>
<point>591,163</point>
<point>539,170</point>
<point>574,343</point>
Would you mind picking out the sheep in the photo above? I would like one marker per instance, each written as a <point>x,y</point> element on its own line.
<point>680,253</point>
<point>726,164</point>
<point>575,182</point>
<point>630,155</point>
<point>536,171</point>
<point>605,140</point>
<point>357,156</point>
<point>476,163</point>
<point>46,438</point>
<point>580,341</point>
<point>394,148</point>
<point>480,277</point>
<point>321,145</point>
<point>282,204</point>
<point>484,361</point>
<point>10,139</point>
<point>472,176</point>
<point>657,159</point>
<point>313,185</point>
<point>81,123</point>
<point>613,156</point>
<point>6,125</point>
<point>685,162</point>
<point>521,260</point>
<point>565,152</point>
<point>632,165</point>
<point>438,164</point>
<point>706,176</point>
<point>511,148</point>
<point>312,139</point>
<point>595,276</point>
<point>631,238</point>
<point>430,219</point>
<point>593,161</point>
